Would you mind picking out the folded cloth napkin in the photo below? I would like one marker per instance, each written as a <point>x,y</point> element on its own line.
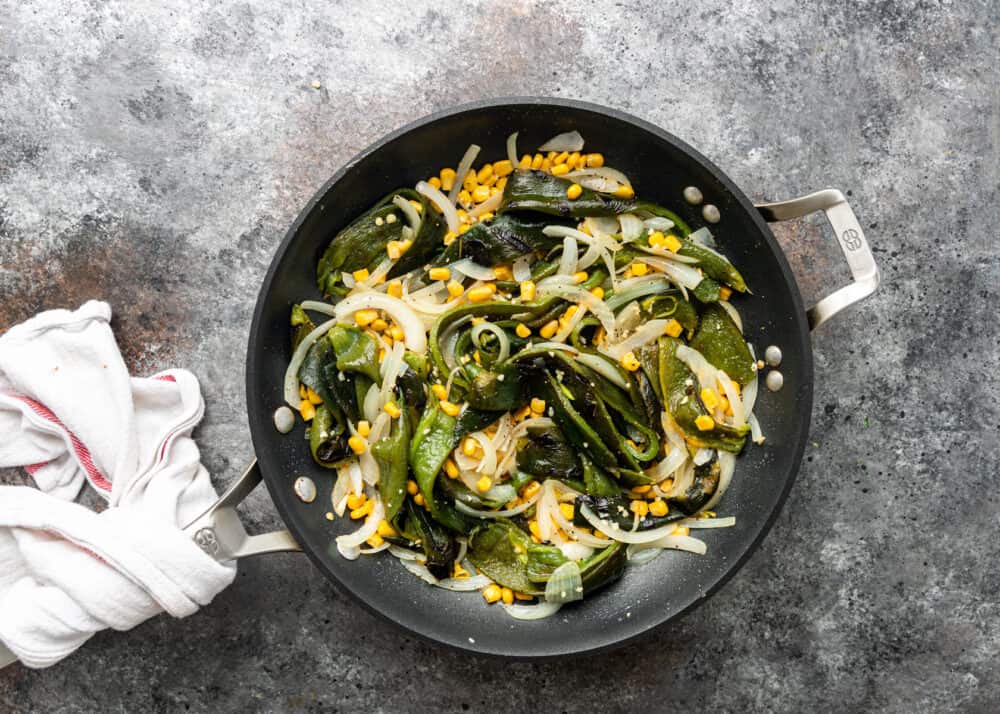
<point>70,413</point>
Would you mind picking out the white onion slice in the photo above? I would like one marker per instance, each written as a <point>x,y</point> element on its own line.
<point>413,329</point>
<point>586,298</point>
<point>507,513</point>
<point>464,585</point>
<point>565,584</point>
<point>755,432</point>
<point>469,268</point>
<point>676,542</point>
<point>628,318</point>
<point>576,551</point>
<point>735,402</point>
<point>601,225</point>
<point>727,466</point>
<point>615,533</point>
<point>442,202</point>
<point>704,370</point>
<point>418,569</point>
<point>750,395</point>
<point>548,505</point>
<point>370,404</point>
<point>341,489</point>
<point>632,227</point>
<point>641,556</point>
<point>522,268</point>
<point>412,217</point>
<point>604,178</point>
<point>497,332</point>
<point>568,141</point>
<point>668,254</point>
<point>645,334</point>
<point>658,223</point>
<point>698,523</point>
<point>291,386</point>
<point>664,468</point>
<point>566,329</point>
<point>488,463</point>
<point>703,237</point>
<point>462,171</point>
<point>317,306</point>
<point>567,262</point>
<point>532,612</point>
<point>512,149</point>
<point>348,545</point>
<point>635,288</point>
<point>702,456</point>
<point>373,551</point>
<point>680,273</point>
<point>603,368</point>
<point>732,312</point>
<point>490,204</point>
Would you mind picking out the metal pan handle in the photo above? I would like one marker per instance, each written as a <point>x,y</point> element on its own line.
<point>220,533</point>
<point>852,241</point>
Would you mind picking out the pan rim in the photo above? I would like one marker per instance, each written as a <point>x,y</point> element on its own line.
<point>595,644</point>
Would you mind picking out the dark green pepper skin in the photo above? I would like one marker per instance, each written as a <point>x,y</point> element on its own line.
<point>438,544</point>
<point>356,351</point>
<point>615,509</point>
<point>500,550</point>
<point>432,442</point>
<point>715,265</point>
<point>702,488</point>
<point>707,291</point>
<point>312,372</point>
<point>328,437</point>
<point>501,240</point>
<point>302,325</point>
<point>722,344</point>
<point>547,454</point>
<point>600,569</point>
<point>671,304</point>
<point>544,193</point>
<point>391,454</point>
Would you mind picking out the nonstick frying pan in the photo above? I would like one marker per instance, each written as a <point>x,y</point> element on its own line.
<point>660,166</point>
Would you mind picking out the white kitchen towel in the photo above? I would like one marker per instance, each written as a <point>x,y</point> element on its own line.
<point>71,414</point>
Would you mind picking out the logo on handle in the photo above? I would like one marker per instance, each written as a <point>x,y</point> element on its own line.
<point>206,540</point>
<point>851,239</point>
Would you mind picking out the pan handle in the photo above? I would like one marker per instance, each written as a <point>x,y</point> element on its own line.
<point>852,241</point>
<point>220,533</point>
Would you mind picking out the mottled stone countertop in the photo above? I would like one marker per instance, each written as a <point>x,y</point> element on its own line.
<point>153,154</point>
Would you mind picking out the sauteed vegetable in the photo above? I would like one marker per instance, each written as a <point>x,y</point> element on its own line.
<point>525,377</point>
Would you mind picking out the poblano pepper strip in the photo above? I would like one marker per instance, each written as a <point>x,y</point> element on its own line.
<point>715,265</point>
<point>432,442</point>
<point>722,344</point>
<point>356,351</point>
<point>328,437</point>
<point>500,550</point>
<point>391,454</point>
<point>503,239</point>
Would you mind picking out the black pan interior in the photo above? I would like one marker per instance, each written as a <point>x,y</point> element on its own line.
<point>660,166</point>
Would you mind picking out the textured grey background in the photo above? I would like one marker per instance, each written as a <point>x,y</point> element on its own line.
<point>152,153</point>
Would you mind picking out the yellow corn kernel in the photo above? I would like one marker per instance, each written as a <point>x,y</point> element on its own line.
<point>560,158</point>
<point>307,409</point>
<point>546,164</point>
<point>360,275</point>
<point>501,183</point>
<point>673,328</point>
<point>464,197</point>
<point>639,268</point>
<point>450,408</point>
<point>375,540</point>
<point>537,405</point>
<point>419,499</point>
<point>450,237</point>
<point>394,289</point>
<point>681,531</point>
<point>480,294</point>
<point>492,593</point>
<point>356,500</point>
<point>535,530</point>
<point>483,217</point>
<point>566,510</point>
<point>625,192</point>
<point>480,193</point>
<point>313,397</point>
<point>549,329</point>
<point>640,507</point>
<point>394,249</point>
<point>595,161</point>
<point>379,325</point>
<point>417,205</point>
<point>357,444</point>
<point>392,410</point>
<point>381,355</point>
<point>302,392</point>
<point>710,398</point>
<point>671,243</point>
<point>439,273</point>
<point>412,488</point>
<point>528,290</point>
<point>388,343</point>
<point>397,334</point>
<point>385,529</point>
<point>704,422</point>
<point>434,181</point>
<point>365,317</point>
<point>628,273</point>
<point>600,534</point>
<point>580,277</point>
<point>656,239</point>
<point>523,331</point>
<point>458,572</point>
<point>447,179</point>
<point>484,173</point>
<point>522,413</point>
<point>503,167</point>
<point>726,407</point>
<point>440,391</point>
<point>484,483</point>
<point>523,596</point>
<point>531,490</point>
<point>560,169</point>
<point>469,446</point>
<point>364,428</point>
<point>725,293</point>
<point>666,484</point>
<point>451,468</point>
<point>645,488</point>
<point>455,288</point>
<point>568,315</point>
<point>525,162</point>
<point>503,272</point>
<point>507,595</point>
<point>362,511</point>
<point>630,362</point>
<point>536,161</point>
<point>574,191</point>
<point>469,182</point>
<point>598,292</point>
<point>659,508</point>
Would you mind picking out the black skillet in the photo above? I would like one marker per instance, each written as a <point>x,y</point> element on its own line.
<point>660,166</point>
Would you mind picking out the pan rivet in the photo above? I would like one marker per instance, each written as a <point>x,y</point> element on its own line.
<point>692,194</point>
<point>284,419</point>
<point>772,355</point>
<point>710,213</point>
<point>774,380</point>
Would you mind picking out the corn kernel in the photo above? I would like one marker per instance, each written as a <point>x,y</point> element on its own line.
<point>447,179</point>
<point>598,292</point>
<point>666,484</point>
<point>656,239</point>
<point>397,334</point>
<point>480,193</point>
<point>360,275</point>
<point>726,407</point>
<point>484,173</point>
<point>536,161</point>
<point>450,237</point>
<point>507,595</point>
<point>434,181</point>
<point>362,511</point>
<point>560,158</point>
<point>671,243</point>
<point>357,444</point>
<point>385,529</point>
<point>531,490</point>
<point>503,272</point>
<point>710,398</point>
<point>725,293</point>
<point>643,489</point>
<point>501,183</point>
<point>537,405</point>
<point>566,511</point>
<point>364,428</point>
<point>307,409</point>
<point>440,391</point>
<point>412,488</point>
<point>480,294</point>
<point>455,288</point>
<point>639,268</point>
<point>522,413</point>
<point>673,328</point>
<point>381,355</point>
<point>600,534</point>
<point>450,408</point>
<point>419,499</point>
<point>469,182</point>
<point>365,317</point>
<point>394,289</point>
<point>580,277</point>
<point>469,446</point>
<point>302,392</point>
<point>659,508</point>
<point>560,169</point>
<point>704,422</point>
<point>630,362</point>
<point>484,483</point>
<point>595,161</point>
<point>356,500</point>
<point>523,331</point>
<point>379,325</point>
<point>681,531</point>
<point>549,329</point>
<point>483,217</point>
<point>492,593</point>
<point>546,164</point>
<point>417,205</point>
<point>375,540</point>
<point>574,191</point>
<point>464,197</point>
<point>392,410</point>
<point>523,596</point>
<point>451,468</point>
<point>312,396</point>
<point>640,507</point>
<point>535,530</point>
<point>394,249</point>
<point>528,290</point>
<point>458,572</point>
<point>568,315</point>
<point>503,167</point>
<point>525,162</point>
<point>439,273</point>
<point>625,192</point>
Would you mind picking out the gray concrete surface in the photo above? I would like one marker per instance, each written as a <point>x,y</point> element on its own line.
<point>152,153</point>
